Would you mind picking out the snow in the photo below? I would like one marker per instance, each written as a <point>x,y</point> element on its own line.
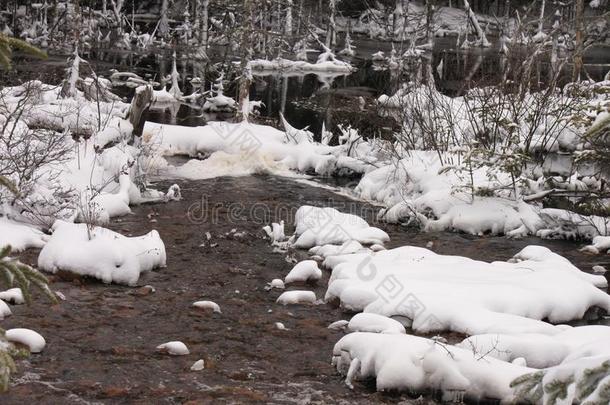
<point>324,64</point>
<point>297,297</point>
<point>599,245</point>
<point>339,325</point>
<point>27,337</point>
<point>5,310</point>
<point>20,236</point>
<point>405,362</point>
<point>431,292</point>
<point>207,305</point>
<point>246,148</point>
<point>542,351</point>
<point>321,226</point>
<point>97,172</point>
<point>275,232</point>
<point>306,270</point>
<point>276,283</point>
<point>198,365</point>
<point>175,348</point>
<point>13,295</point>
<point>365,322</point>
<point>101,253</point>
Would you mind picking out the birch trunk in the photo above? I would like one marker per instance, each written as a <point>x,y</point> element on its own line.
<point>477,27</point>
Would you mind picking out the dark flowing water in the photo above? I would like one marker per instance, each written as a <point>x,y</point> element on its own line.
<point>101,341</point>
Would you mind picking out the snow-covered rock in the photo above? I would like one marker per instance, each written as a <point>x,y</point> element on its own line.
<point>324,65</point>
<point>297,297</point>
<point>207,305</point>
<point>365,322</point>
<point>13,295</point>
<point>5,310</point>
<point>542,351</point>
<point>320,226</point>
<point>405,362</point>
<point>276,283</point>
<point>101,253</point>
<point>307,270</point>
<point>27,337</point>
<point>600,244</point>
<point>339,325</point>
<point>175,348</point>
<point>432,292</point>
<point>198,365</point>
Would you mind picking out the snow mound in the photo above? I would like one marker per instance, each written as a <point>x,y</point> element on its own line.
<point>600,244</point>
<point>306,270</point>
<point>198,365</point>
<point>174,348</point>
<point>432,292</point>
<point>20,236</point>
<point>297,297</point>
<point>5,310</point>
<point>13,295</point>
<point>330,65</point>
<point>249,148</point>
<point>365,322</point>
<point>275,283</point>
<point>321,226</point>
<point>405,362</point>
<point>542,351</point>
<point>27,337</point>
<point>207,305</point>
<point>101,253</point>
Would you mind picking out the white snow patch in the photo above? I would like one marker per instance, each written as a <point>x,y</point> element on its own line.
<point>365,322</point>
<point>13,295</point>
<point>435,292</point>
<point>175,348</point>
<point>198,365</point>
<point>307,270</point>
<point>101,253</point>
<point>207,305</point>
<point>297,297</point>
<point>20,236</point>
<point>27,337</point>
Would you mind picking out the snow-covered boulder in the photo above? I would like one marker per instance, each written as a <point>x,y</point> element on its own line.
<point>365,322</point>
<point>432,292</point>
<point>101,253</point>
<point>297,297</point>
<point>320,226</point>
<point>27,337</point>
<point>307,270</point>
<point>175,348</point>
<point>13,295</point>
<point>214,307</point>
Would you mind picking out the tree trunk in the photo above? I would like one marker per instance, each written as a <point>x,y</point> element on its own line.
<point>541,20</point>
<point>475,23</point>
<point>288,23</point>
<point>580,39</point>
<point>163,22</point>
<point>203,26</point>
<point>246,46</point>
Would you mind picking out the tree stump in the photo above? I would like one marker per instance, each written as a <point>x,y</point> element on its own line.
<point>140,103</point>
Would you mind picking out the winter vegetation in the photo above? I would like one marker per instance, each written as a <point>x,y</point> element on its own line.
<point>444,120</point>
